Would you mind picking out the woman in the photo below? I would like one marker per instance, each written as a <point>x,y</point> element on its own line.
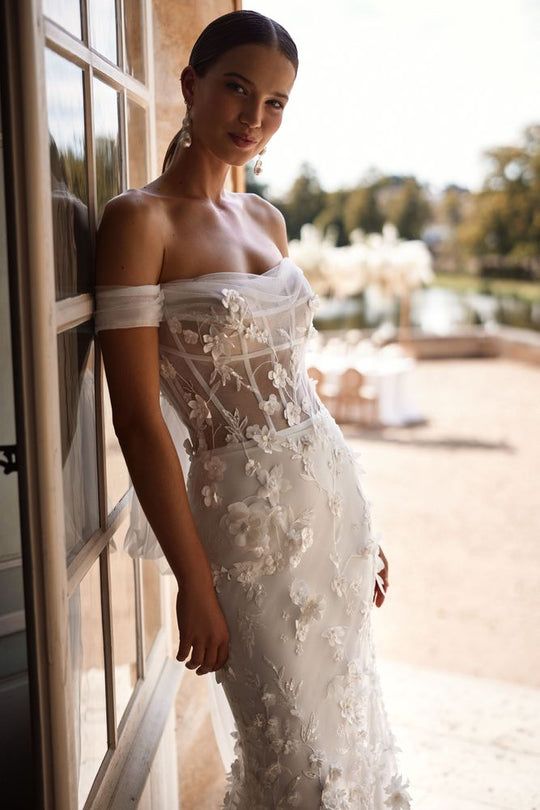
<point>270,536</point>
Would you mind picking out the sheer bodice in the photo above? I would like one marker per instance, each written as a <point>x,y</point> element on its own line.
<point>232,348</point>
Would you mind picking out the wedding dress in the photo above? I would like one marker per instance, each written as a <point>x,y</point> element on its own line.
<point>276,495</point>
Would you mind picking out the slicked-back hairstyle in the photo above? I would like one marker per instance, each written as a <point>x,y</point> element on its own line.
<point>243,27</point>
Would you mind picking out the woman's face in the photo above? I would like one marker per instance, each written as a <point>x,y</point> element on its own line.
<point>244,94</point>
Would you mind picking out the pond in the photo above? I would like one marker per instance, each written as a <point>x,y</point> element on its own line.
<point>433,309</point>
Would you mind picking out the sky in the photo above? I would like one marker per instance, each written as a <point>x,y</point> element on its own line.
<point>406,86</point>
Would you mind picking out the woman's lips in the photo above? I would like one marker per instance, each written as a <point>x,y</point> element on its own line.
<point>241,142</point>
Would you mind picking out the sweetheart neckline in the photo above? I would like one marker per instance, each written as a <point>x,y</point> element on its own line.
<point>224,273</point>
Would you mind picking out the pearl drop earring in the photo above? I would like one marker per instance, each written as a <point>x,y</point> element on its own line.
<point>184,139</point>
<point>257,169</point>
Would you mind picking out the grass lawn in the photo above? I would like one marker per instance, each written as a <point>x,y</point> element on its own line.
<point>462,282</point>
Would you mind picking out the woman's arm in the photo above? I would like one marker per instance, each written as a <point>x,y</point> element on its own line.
<point>129,252</point>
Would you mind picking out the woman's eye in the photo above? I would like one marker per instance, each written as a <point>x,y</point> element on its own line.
<point>234,85</point>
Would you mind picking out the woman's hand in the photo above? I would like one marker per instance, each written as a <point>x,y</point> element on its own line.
<point>381,579</point>
<point>201,625</point>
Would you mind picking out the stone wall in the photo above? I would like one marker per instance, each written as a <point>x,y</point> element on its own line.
<point>176,26</point>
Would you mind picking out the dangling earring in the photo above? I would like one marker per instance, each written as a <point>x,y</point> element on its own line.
<point>257,169</point>
<point>184,138</point>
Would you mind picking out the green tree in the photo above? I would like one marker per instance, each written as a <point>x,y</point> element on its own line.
<point>333,215</point>
<point>361,210</point>
<point>508,209</point>
<point>409,209</point>
<point>304,201</point>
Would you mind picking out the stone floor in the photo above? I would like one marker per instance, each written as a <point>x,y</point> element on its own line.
<point>456,501</point>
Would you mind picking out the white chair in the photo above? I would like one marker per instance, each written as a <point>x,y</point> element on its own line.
<point>356,399</point>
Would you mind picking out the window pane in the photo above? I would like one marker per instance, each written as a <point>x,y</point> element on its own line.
<point>103,28</point>
<point>88,674</point>
<point>137,145</point>
<point>72,244</point>
<point>107,139</point>
<point>66,13</point>
<point>117,471</point>
<point>78,433</point>
<point>151,599</point>
<point>123,621</point>
<point>133,28</point>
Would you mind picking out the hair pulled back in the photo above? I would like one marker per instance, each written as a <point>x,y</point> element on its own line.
<point>242,27</point>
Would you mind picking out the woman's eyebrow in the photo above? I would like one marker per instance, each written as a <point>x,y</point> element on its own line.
<point>239,75</point>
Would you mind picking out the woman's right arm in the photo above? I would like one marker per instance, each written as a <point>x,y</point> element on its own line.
<point>129,252</point>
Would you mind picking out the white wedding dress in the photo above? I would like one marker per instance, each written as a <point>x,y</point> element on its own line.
<point>277,499</point>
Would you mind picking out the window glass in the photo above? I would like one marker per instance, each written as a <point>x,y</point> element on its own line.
<point>103,28</point>
<point>69,189</point>
<point>78,433</point>
<point>66,13</point>
<point>88,680</point>
<point>107,144</point>
<point>133,32</point>
<point>137,145</point>
<point>123,621</point>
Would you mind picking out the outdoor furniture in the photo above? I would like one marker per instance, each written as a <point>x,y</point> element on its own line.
<point>327,392</point>
<point>356,399</point>
<point>389,371</point>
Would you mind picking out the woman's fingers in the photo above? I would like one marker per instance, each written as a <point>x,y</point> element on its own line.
<point>183,649</point>
<point>209,659</point>
<point>223,654</point>
<point>197,655</point>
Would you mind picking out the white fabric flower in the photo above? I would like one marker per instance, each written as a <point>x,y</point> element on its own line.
<point>270,405</point>
<point>311,609</point>
<point>215,467</point>
<point>292,413</point>
<point>233,301</point>
<point>247,523</point>
<point>398,798</point>
<point>335,635</point>
<point>175,325</point>
<point>265,437</point>
<point>278,375</point>
<point>190,336</point>
<point>217,342</point>
<point>168,370</point>
<point>335,795</point>
<point>273,484</point>
<point>210,496</point>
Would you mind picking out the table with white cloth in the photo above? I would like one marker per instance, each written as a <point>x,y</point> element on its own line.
<point>388,371</point>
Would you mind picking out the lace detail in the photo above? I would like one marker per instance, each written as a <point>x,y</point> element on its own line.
<point>280,509</point>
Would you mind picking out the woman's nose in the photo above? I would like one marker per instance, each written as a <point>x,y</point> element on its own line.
<point>252,114</point>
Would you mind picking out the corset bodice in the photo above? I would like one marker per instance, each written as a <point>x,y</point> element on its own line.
<point>232,350</point>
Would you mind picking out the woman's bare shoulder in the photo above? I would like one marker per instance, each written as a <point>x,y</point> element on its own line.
<point>269,217</point>
<point>129,244</point>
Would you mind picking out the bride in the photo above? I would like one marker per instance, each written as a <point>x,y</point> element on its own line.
<point>269,535</point>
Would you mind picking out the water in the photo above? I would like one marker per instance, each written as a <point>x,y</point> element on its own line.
<point>433,309</point>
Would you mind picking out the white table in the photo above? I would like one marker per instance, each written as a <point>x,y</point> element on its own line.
<point>390,374</point>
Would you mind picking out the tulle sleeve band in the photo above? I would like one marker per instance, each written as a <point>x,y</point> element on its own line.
<point>121,306</point>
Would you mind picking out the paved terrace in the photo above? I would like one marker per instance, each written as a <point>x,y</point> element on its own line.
<point>457,503</point>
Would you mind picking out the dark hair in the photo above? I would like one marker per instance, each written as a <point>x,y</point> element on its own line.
<point>241,27</point>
